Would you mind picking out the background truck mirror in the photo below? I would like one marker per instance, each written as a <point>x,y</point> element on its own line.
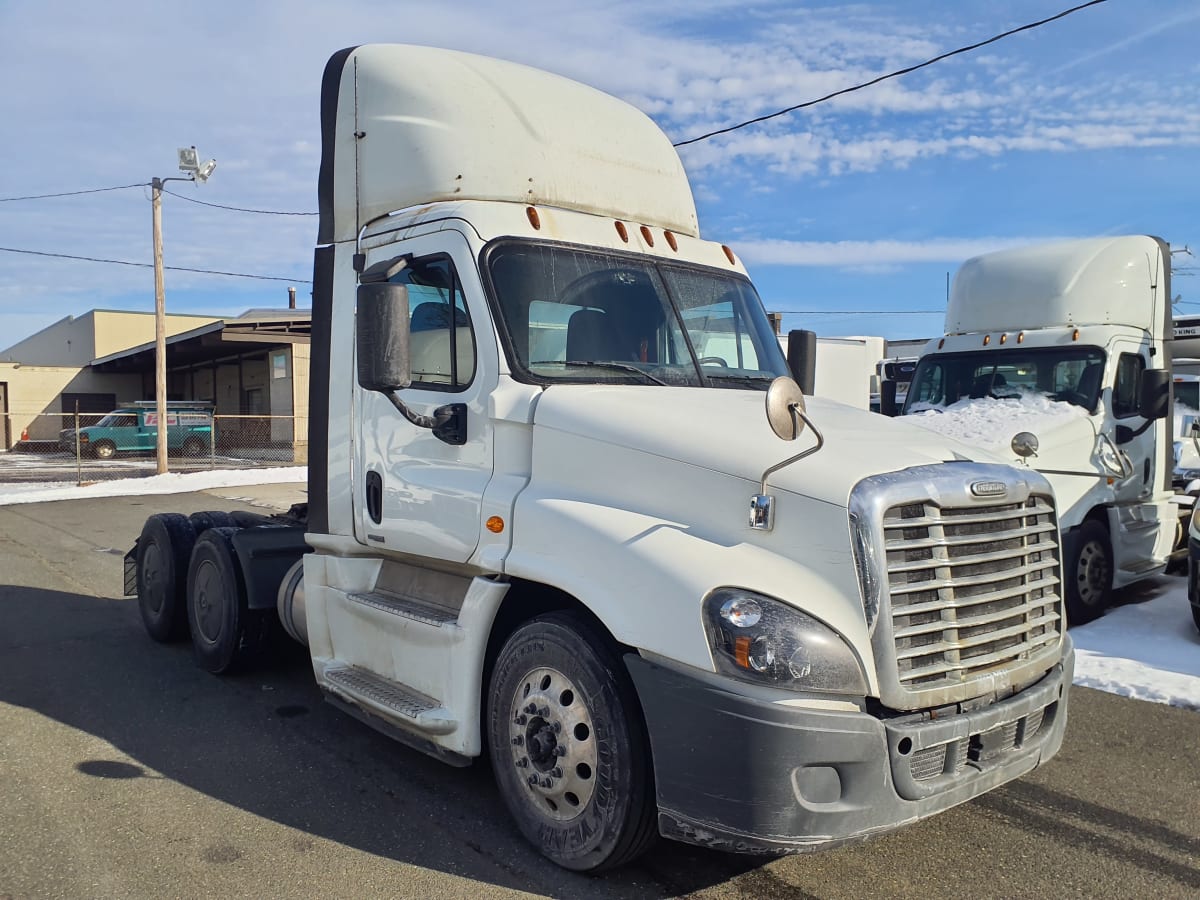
<point>887,397</point>
<point>381,333</point>
<point>802,358</point>
<point>1154,400</point>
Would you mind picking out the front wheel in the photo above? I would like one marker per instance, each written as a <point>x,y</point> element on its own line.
<point>104,449</point>
<point>568,746</point>
<point>1088,571</point>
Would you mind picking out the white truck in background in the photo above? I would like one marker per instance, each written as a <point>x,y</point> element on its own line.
<point>846,368</point>
<point>1087,324</point>
<point>546,525</point>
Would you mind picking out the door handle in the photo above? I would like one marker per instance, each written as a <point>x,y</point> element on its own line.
<point>375,496</point>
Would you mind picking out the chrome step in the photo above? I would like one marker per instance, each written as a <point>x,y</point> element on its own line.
<point>390,698</point>
<point>407,607</point>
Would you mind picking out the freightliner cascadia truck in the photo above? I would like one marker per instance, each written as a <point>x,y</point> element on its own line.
<point>663,593</point>
<point>1079,327</point>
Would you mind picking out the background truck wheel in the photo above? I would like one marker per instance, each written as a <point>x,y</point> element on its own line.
<point>1088,571</point>
<point>104,449</point>
<point>558,694</point>
<point>193,448</point>
<point>163,552</point>
<point>226,636</point>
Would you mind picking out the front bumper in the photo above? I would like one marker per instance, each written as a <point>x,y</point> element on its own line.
<point>751,776</point>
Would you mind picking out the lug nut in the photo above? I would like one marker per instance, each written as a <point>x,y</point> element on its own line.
<point>520,720</point>
<point>532,780</point>
<point>544,712</point>
<point>518,741</point>
<point>522,762</point>
<point>531,709</point>
<point>560,750</point>
<point>556,772</point>
<point>557,727</point>
<point>547,782</point>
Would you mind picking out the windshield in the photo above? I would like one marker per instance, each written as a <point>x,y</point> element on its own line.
<point>1070,374</point>
<point>592,316</point>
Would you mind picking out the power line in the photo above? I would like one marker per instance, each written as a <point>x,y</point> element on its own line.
<point>896,74</point>
<point>265,212</point>
<point>119,187</point>
<point>121,262</point>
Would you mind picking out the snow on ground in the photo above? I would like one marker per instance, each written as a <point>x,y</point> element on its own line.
<point>170,483</point>
<point>1148,649</point>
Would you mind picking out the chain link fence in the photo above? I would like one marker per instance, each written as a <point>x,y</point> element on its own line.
<point>90,447</point>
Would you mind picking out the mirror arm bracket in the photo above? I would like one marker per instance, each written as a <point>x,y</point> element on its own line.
<point>762,488</point>
<point>448,423</point>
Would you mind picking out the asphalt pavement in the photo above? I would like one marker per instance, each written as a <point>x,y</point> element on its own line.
<point>126,771</point>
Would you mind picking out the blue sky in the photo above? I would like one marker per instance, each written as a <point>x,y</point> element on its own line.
<point>1087,126</point>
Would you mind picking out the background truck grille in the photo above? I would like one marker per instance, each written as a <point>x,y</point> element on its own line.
<point>973,590</point>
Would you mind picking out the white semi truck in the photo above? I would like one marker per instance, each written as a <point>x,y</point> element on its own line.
<point>1064,348</point>
<point>543,527</point>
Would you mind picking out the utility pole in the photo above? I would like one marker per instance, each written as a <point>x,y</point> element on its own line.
<point>189,162</point>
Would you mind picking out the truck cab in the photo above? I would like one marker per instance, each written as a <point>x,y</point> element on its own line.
<point>1069,343</point>
<point>568,510</point>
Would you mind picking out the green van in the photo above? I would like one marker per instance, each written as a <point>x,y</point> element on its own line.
<point>132,428</point>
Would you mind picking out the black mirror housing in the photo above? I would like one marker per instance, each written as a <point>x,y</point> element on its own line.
<point>1154,397</point>
<point>887,398</point>
<point>381,337</point>
<point>802,358</point>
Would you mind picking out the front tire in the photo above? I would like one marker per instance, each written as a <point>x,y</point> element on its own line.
<point>568,746</point>
<point>1088,571</point>
<point>104,449</point>
<point>227,636</point>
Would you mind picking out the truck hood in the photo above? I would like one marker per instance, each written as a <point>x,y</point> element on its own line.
<point>1066,434</point>
<point>726,431</point>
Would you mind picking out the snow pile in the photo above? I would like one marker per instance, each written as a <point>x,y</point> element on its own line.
<point>1147,650</point>
<point>170,483</point>
<point>991,423</point>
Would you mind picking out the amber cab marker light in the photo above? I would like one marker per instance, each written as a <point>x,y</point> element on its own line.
<point>1075,336</point>
<point>729,255</point>
<point>741,651</point>
<point>1004,338</point>
<point>647,236</point>
<point>671,242</point>
<point>622,232</point>
<point>534,219</point>
<point>941,343</point>
<point>495,524</point>
<point>1021,338</point>
<point>987,339</point>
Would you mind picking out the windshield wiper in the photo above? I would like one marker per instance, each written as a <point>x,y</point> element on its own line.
<point>621,367</point>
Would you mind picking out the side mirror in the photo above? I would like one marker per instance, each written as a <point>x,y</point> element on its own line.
<point>802,358</point>
<point>381,337</point>
<point>1154,398</point>
<point>887,397</point>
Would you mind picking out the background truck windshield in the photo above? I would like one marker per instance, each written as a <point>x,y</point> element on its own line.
<point>588,316</point>
<point>1073,374</point>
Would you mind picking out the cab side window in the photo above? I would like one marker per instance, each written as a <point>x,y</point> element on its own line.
<point>441,339</point>
<point>1125,391</point>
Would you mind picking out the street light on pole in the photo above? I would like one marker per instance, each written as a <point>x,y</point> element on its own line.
<point>189,162</point>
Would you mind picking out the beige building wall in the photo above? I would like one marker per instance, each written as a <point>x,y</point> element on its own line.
<point>300,383</point>
<point>77,340</point>
<point>34,395</point>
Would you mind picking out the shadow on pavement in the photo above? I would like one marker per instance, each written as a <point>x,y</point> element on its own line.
<point>267,744</point>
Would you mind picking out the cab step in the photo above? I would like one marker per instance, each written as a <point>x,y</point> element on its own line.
<point>391,699</point>
<point>405,606</point>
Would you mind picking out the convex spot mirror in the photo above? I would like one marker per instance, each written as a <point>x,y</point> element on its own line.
<point>381,336</point>
<point>1155,392</point>
<point>784,401</point>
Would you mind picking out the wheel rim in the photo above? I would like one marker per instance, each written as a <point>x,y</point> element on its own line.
<point>553,744</point>
<point>1091,576</point>
<point>208,601</point>
<point>152,576</point>
<point>104,451</point>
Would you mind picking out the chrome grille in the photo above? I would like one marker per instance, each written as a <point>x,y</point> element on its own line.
<point>973,590</point>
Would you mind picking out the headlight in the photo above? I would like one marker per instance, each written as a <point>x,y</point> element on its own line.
<point>755,638</point>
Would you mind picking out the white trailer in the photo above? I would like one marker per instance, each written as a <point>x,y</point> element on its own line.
<point>548,525</point>
<point>1070,342</point>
